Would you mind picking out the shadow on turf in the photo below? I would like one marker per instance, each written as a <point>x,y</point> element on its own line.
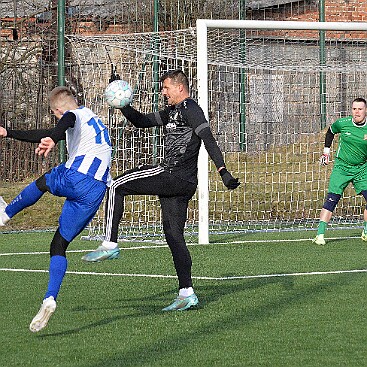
<point>146,306</point>
<point>222,319</point>
<point>138,306</point>
<point>243,316</point>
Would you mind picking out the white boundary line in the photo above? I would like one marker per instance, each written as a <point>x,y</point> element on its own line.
<point>144,247</point>
<point>194,277</point>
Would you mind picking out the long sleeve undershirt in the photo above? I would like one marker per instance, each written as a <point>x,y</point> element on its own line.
<point>56,134</point>
<point>329,137</point>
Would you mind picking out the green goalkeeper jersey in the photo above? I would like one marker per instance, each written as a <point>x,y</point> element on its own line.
<point>352,147</point>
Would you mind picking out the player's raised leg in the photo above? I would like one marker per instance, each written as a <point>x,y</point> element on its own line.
<point>109,249</point>
<point>106,251</point>
<point>27,197</point>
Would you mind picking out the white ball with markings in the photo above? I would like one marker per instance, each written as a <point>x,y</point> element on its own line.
<point>118,94</point>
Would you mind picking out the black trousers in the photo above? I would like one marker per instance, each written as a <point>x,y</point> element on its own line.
<point>174,195</point>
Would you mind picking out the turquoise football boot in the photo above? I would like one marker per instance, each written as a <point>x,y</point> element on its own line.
<point>102,253</point>
<point>182,303</point>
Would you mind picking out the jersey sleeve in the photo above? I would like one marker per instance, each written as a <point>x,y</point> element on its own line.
<point>56,134</point>
<point>335,128</point>
<point>329,137</point>
<point>30,136</point>
<point>59,131</point>
<point>141,120</point>
<point>195,117</point>
<point>212,147</point>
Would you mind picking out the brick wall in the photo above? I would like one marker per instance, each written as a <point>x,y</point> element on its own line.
<point>335,11</point>
<point>346,10</point>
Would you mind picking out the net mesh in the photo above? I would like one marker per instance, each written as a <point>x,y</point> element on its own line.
<point>271,96</point>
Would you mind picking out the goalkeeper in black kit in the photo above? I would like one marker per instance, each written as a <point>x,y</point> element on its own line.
<point>174,180</point>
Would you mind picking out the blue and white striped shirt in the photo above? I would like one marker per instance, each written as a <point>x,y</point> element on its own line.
<point>89,146</point>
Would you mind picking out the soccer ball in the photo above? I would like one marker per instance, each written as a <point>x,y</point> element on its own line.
<point>118,94</point>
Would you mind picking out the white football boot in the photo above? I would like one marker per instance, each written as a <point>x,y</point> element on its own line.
<point>3,216</point>
<point>40,321</point>
<point>319,240</point>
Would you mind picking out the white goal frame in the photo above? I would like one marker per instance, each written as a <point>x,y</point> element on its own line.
<point>202,26</point>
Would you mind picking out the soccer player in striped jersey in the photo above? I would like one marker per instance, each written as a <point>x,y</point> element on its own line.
<point>82,180</point>
<point>350,163</point>
<point>174,180</point>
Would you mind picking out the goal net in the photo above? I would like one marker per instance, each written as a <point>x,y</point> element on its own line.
<point>269,89</point>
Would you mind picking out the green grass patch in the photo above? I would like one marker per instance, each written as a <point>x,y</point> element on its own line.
<point>263,320</point>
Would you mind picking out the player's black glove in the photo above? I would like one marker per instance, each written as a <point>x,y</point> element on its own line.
<point>229,181</point>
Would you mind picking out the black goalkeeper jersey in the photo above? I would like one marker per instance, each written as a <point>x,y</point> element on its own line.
<point>181,144</point>
<point>184,126</point>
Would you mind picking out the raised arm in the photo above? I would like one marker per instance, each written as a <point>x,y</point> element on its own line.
<point>141,120</point>
<point>30,136</point>
<point>34,136</point>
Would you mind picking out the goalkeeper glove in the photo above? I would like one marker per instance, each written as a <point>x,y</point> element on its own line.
<point>229,181</point>
<point>324,159</point>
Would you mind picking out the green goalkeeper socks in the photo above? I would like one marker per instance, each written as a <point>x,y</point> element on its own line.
<point>322,227</point>
<point>365,227</point>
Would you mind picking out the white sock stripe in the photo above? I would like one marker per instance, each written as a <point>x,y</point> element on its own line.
<point>154,171</point>
<point>109,204</point>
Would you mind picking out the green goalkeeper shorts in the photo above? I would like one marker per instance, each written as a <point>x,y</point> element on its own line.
<point>342,174</point>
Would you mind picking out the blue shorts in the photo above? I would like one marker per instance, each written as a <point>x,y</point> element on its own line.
<point>83,194</point>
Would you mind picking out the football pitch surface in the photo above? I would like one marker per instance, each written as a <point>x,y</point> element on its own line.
<point>266,299</point>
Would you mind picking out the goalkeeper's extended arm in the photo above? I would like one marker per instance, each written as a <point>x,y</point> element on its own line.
<point>325,158</point>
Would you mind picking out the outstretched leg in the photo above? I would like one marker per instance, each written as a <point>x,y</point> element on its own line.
<point>143,180</point>
<point>27,197</point>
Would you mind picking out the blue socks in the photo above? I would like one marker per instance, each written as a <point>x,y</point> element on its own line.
<point>30,195</point>
<point>58,266</point>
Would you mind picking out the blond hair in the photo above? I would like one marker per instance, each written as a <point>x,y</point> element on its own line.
<point>60,97</point>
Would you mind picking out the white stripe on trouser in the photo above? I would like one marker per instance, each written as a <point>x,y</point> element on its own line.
<point>120,181</point>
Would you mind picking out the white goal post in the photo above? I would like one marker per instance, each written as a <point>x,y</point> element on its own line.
<point>202,26</point>
<point>268,90</point>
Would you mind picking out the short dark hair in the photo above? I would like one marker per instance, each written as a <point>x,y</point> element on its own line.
<point>178,77</point>
<point>360,99</point>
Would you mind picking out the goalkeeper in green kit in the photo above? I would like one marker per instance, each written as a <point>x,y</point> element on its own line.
<point>350,164</point>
